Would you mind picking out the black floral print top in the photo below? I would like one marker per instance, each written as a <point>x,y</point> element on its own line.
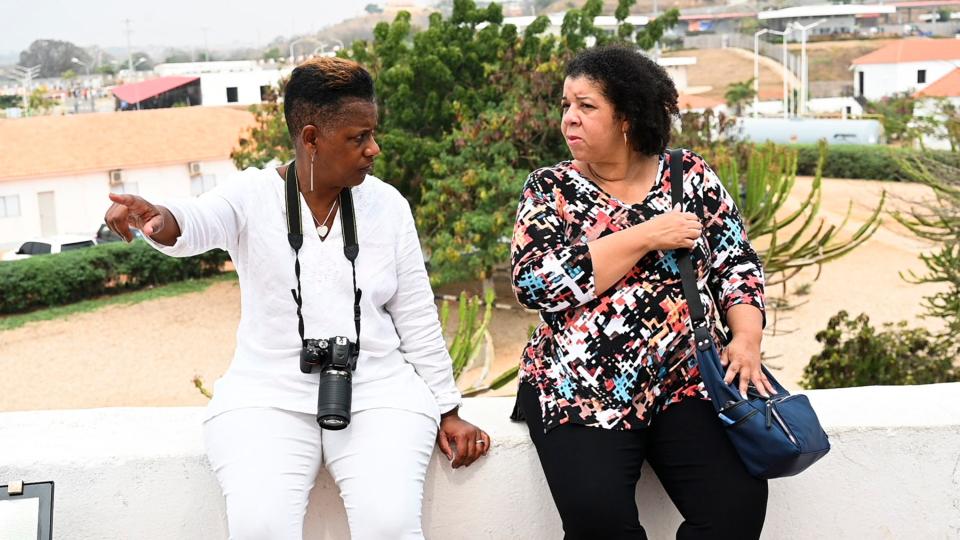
<point>612,359</point>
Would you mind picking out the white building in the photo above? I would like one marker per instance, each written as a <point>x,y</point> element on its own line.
<point>943,92</point>
<point>904,66</point>
<point>58,170</point>
<point>241,82</point>
<point>836,18</point>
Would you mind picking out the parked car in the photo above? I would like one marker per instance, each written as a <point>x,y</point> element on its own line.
<point>47,246</point>
<point>105,235</point>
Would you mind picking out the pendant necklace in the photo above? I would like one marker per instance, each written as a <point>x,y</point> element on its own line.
<point>322,228</point>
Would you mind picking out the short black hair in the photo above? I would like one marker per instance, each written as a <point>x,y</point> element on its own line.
<point>318,87</point>
<point>640,90</point>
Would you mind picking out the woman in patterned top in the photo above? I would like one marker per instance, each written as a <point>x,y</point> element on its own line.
<point>609,378</point>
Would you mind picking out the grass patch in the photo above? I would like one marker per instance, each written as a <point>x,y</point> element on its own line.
<point>10,322</point>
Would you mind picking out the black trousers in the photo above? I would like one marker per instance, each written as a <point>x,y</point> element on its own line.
<point>593,474</point>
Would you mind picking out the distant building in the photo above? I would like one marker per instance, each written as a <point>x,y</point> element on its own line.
<point>58,170</point>
<point>904,66</point>
<point>838,18</point>
<point>159,93</point>
<point>712,23</point>
<point>241,82</point>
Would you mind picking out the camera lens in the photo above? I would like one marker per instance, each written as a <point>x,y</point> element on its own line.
<point>334,399</point>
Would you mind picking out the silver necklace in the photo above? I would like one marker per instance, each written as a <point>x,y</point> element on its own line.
<point>322,228</point>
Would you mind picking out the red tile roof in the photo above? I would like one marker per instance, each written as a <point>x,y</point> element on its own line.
<point>42,146</point>
<point>912,50</point>
<point>140,91</point>
<point>946,86</point>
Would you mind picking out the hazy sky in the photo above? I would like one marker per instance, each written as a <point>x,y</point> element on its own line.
<point>172,23</point>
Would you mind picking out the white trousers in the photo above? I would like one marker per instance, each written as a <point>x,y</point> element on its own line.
<point>267,460</point>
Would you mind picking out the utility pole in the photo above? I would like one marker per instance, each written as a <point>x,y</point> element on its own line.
<point>129,52</point>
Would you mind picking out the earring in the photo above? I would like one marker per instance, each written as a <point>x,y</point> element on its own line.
<point>625,138</point>
<point>311,171</point>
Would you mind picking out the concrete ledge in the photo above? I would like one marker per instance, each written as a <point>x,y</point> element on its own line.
<point>894,472</point>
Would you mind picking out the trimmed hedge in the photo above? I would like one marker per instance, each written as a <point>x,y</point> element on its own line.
<point>63,278</point>
<point>867,162</point>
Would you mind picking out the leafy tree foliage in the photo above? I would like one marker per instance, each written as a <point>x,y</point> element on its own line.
<point>469,106</point>
<point>53,56</point>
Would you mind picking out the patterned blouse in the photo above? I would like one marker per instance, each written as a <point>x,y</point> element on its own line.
<point>613,358</point>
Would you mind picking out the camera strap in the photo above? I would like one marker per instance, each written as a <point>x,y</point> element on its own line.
<point>351,248</point>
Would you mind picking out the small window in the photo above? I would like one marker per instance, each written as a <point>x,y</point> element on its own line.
<point>921,76</point>
<point>10,206</point>
<point>202,184</point>
<point>265,92</point>
<point>76,245</point>
<point>232,94</point>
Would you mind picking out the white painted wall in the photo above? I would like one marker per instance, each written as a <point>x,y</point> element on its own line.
<point>938,140</point>
<point>140,473</point>
<point>213,86</point>
<point>81,199</point>
<point>881,80</point>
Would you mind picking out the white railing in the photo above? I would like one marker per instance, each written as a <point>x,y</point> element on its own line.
<point>894,472</point>
<point>742,41</point>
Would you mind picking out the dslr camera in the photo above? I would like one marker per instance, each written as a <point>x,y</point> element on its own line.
<point>336,359</point>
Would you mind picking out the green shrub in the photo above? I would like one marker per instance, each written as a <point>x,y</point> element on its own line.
<point>857,354</point>
<point>867,162</point>
<point>63,278</point>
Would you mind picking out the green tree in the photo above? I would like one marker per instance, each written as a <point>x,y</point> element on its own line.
<point>273,53</point>
<point>895,114</point>
<point>738,94</point>
<point>53,56</point>
<point>268,141</point>
<point>469,194</point>
<point>39,102</point>
<point>176,56</point>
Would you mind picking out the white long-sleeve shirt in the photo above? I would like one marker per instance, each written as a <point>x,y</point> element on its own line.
<point>403,360</point>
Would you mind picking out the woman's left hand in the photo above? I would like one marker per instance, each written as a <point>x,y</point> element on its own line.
<point>742,357</point>
<point>461,441</point>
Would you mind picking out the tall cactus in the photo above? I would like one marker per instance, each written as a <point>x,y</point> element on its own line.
<point>761,193</point>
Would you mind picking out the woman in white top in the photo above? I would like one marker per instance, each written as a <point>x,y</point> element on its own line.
<point>261,430</point>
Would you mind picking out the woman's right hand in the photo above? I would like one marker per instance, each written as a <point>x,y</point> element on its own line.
<point>673,230</point>
<point>133,211</point>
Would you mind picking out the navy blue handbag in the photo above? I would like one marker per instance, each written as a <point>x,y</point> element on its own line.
<point>776,436</point>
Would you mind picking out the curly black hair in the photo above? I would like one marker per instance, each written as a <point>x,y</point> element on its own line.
<point>319,87</point>
<point>640,90</point>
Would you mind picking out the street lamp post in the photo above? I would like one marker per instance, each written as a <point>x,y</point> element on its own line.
<point>802,109</point>
<point>76,60</point>
<point>756,67</point>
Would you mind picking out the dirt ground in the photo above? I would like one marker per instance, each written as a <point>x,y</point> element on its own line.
<point>147,354</point>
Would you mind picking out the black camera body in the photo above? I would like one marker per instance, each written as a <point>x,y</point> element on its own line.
<point>336,359</point>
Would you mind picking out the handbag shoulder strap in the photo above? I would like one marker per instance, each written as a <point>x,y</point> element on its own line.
<point>698,315</point>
